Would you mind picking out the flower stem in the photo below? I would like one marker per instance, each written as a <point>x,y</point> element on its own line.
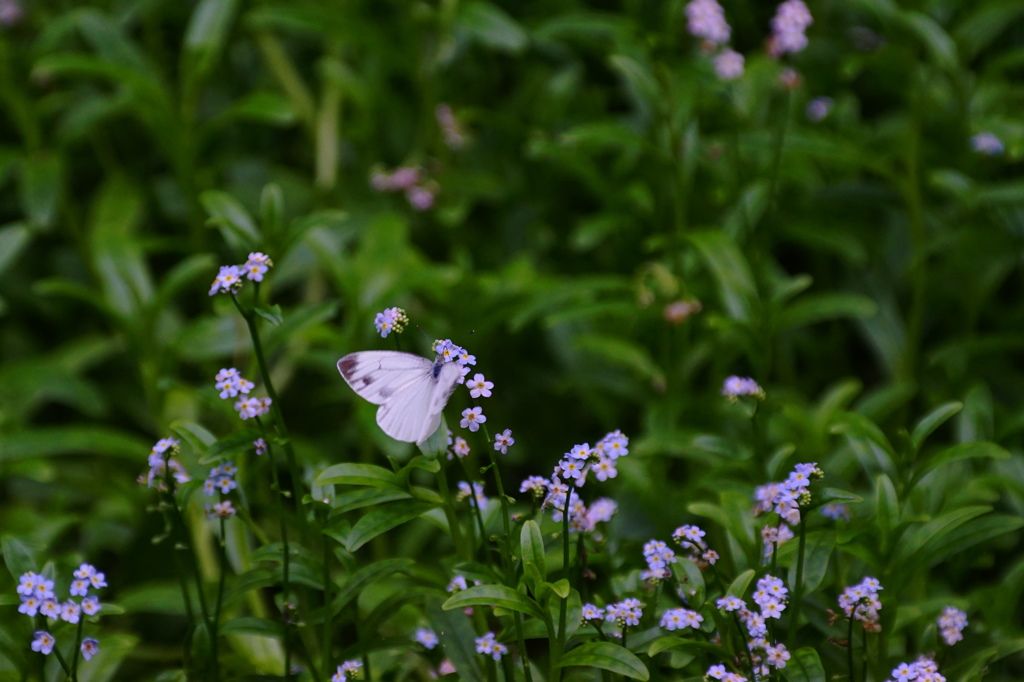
<point>507,564</point>
<point>798,588</point>
<point>563,607</point>
<point>279,425</point>
<point>285,551</point>
<point>849,649</point>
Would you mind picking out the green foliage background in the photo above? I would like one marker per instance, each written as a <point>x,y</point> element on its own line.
<point>866,270</point>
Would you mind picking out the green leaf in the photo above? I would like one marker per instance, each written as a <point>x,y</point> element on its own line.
<point>366,576</point>
<point>859,427</point>
<point>671,642</point>
<point>887,505</point>
<point>735,281</point>
<point>456,634</point>
<point>235,223</point>
<point>933,420</point>
<point>198,437</point>
<point>804,666</point>
<point>251,626</point>
<point>350,473</point>
<point>531,547</point>
<point>606,656</point>
<point>18,556</point>
<point>740,583</point>
<point>632,356</point>
<point>932,532</point>
<point>560,587</point>
<point>974,532</point>
<point>935,39</point>
<point>117,253</point>
<point>831,496</point>
<point>818,551</point>
<point>814,308</point>
<point>13,240</point>
<point>272,314</point>
<point>639,81</point>
<point>364,497</point>
<point>77,439</point>
<point>978,449</point>
<point>384,518</point>
<point>205,37</point>
<point>491,26</point>
<point>41,182</point>
<point>496,596</point>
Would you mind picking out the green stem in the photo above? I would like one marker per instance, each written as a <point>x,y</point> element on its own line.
<point>60,659</point>
<point>509,571</point>
<point>285,552</point>
<point>798,588</point>
<point>563,607</point>
<point>849,649</point>
<point>325,646</point>
<point>451,515</point>
<point>78,647</point>
<point>223,561</point>
<point>777,147</point>
<point>278,415</point>
<point>475,505</point>
<point>187,542</point>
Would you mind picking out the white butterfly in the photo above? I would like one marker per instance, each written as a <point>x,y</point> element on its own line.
<point>411,390</point>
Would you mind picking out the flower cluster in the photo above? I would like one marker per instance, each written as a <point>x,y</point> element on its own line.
<point>390,320</point>
<point>160,460</point>
<point>412,181</point>
<point>785,499</point>
<point>861,602</point>
<point>625,613</point>
<point>451,131</point>
<point>677,619</point>
<point>658,556</point>
<point>38,598</point>
<point>346,671</point>
<point>231,384</point>
<point>449,352</point>
<point>706,20</point>
<point>921,670</point>
<point>691,538</point>
<point>222,480</point>
<point>229,278</point>
<point>951,625</point>
<point>987,143</point>
<point>489,646</point>
<point>770,596</point>
<point>735,386</point>
<point>571,472</point>
<point>788,26</point>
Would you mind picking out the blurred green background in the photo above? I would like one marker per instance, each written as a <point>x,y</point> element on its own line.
<point>586,170</point>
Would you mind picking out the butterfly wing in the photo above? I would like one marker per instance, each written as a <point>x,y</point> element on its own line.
<point>406,415</point>
<point>377,375</point>
<point>410,396</point>
<point>447,380</point>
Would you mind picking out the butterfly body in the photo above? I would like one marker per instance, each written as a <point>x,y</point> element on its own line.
<point>411,390</point>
